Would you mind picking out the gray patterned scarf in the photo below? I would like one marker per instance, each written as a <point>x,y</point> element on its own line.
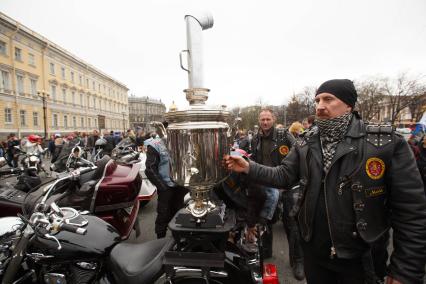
<point>332,131</point>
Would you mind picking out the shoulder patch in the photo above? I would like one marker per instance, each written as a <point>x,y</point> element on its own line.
<point>284,150</point>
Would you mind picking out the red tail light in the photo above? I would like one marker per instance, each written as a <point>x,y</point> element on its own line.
<point>270,275</point>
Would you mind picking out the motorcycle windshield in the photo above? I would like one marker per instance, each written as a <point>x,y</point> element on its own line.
<point>28,147</point>
<point>65,151</point>
<point>125,143</point>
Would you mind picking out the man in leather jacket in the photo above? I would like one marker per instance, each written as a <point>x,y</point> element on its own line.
<point>170,195</point>
<point>269,146</point>
<point>359,180</point>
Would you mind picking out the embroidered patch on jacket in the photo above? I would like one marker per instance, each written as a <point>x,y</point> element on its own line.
<point>284,150</point>
<point>375,191</point>
<point>375,168</point>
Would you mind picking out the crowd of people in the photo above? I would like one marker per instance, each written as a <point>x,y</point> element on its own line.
<point>337,183</point>
<point>55,142</point>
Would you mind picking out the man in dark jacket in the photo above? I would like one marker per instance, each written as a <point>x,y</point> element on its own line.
<point>359,181</point>
<point>11,152</point>
<point>170,195</point>
<point>269,147</point>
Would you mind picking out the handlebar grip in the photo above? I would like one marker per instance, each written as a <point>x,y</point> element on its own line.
<point>73,229</point>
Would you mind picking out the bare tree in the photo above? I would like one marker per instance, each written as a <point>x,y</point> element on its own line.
<point>418,106</point>
<point>370,95</point>
<point>301,105</point>
<point>403,92</point>
<point>249,116</point>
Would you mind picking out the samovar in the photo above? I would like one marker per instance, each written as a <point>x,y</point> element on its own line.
<point>197,137</point>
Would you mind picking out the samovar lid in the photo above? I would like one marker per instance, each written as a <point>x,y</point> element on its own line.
<point>198,114</point>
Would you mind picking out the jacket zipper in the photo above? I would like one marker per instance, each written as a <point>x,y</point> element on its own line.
<point>332,249</point>
<point>306,187</point>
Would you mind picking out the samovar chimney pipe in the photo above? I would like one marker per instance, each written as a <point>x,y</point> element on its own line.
<point>196,93</point>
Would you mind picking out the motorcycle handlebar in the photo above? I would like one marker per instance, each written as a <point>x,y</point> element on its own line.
<point>10,171</point>
<point>73,229</point>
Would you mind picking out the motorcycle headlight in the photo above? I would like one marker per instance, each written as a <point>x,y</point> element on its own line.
<point>34,159</point>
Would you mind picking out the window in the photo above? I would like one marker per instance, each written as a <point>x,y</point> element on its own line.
<point>99,88</point>
<point>88,101</point>
<point>65,121</point>
<point>2,47</point>
<point>64,96</point>
<point>8,115</point>
<point>63,73</point>
<point>55,120</point>
<point>33,86</point>
<point>22,117</point>
<point>96,122</point>
<point>81,80</point>
<point>89,122</point>
<point>35,118</point>
<point>53,92</point>
<point>73,98</point>
<point>87,83</point>
<point>18,54</point>
<point>4,81</point>
<point>31,59</point>
<point>52,68</point>
<point>93,85</point>
<point>82,121</point>
<point>20,84</point>
<point>81,100</point>
<point>74,121</point>
<point>72,76</point>
<point>94,102</point>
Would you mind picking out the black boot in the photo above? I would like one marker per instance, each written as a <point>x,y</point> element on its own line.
<point>298,270</point>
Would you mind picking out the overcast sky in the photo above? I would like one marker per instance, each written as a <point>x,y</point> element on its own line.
<point>269,49</point>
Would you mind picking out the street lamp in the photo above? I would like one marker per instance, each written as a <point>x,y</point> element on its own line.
<point>43,96</point>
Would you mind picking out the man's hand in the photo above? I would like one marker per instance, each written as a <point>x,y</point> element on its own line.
<point>390,280</point>
<point>236,164</point>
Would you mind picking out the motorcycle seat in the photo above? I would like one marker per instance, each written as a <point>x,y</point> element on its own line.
<point>138,263</point>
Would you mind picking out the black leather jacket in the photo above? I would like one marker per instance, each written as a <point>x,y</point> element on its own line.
<point>282,143</point>
<point>373,184</point>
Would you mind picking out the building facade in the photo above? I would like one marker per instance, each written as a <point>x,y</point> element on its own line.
<point>405,116</point>
<point>143,110</point>
<point>35,72</point>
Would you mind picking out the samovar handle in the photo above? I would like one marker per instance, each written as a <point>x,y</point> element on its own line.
<point>180,58</point>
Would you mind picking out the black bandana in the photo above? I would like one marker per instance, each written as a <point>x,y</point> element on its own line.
<point>332,131</point>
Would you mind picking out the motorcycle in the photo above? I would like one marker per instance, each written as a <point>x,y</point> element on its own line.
<point>109,191</point>
<point>62,245</point>
<point>27,177</point>
<point>32,152</point>
<point>124,153</point>
<point>73,156</point>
